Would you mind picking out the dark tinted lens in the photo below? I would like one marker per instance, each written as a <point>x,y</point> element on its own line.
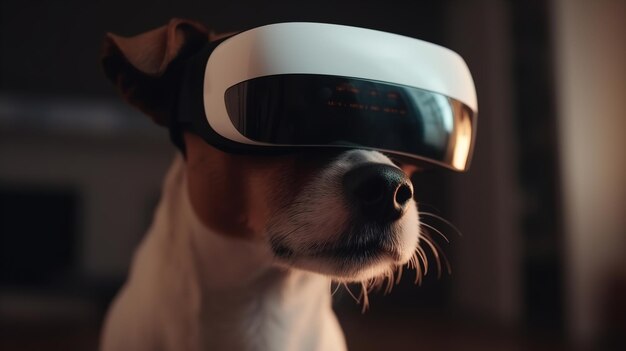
<point>322,110</point>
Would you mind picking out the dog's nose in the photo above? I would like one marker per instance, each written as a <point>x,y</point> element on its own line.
<point>380,192</point>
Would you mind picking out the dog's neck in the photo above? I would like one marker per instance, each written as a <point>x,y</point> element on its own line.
<point>238,293</point>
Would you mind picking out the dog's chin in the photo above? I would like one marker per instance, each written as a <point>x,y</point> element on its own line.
<point>358,267</point>
<point>361,253</point>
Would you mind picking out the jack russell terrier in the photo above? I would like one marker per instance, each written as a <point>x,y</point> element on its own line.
<point>243,247</point>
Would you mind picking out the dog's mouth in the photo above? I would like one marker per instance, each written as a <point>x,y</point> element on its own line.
<point>362,252</point>
<point>357,249</point>
<point>360,244</point>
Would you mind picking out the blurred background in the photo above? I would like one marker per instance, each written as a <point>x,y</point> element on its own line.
<point>540,264</point>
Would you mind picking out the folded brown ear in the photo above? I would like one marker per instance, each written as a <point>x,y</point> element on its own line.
<point>146,68</point>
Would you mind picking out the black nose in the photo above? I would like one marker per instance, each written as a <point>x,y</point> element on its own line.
<point>378,191</point>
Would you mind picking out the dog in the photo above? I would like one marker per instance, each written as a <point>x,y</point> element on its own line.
<point>243,248</point>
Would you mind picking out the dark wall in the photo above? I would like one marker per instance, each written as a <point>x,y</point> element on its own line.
<point>52,47</point>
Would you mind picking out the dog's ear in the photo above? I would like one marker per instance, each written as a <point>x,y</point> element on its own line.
<point>146,68</point>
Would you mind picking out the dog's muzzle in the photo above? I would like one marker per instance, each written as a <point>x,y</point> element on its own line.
<point>378,192</point>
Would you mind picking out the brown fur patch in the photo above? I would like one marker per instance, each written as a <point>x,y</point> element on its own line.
<point>236,195</point>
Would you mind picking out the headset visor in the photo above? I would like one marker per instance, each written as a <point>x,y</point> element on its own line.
<point>320,110</point>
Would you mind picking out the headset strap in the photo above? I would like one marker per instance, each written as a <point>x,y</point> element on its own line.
<point>189,106</point>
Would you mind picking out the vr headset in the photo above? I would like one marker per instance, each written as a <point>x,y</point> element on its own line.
<point>289,86</point>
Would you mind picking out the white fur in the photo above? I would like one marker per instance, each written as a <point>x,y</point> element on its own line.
<point>192,289</point>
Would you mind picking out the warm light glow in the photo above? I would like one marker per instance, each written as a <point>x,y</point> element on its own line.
<point>463,140</point>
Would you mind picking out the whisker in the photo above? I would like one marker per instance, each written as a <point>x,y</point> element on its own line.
<point>336,288</point>
<point>345,285</point>
<point>399,276</point>
<point>445,258</point>
<point>433,249</point>
<point>418,272</point>
<point>366,301</point>
<point>411,263</point>
<point>373,283</point>
<point>455,228</point>
<point>436,230</point>
<point>443,255</point>
<point>422,264</point>
<point>389,278</point>
<point>422,255</point>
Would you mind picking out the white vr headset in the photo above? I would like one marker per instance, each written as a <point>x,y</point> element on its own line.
<point>310,85</point>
